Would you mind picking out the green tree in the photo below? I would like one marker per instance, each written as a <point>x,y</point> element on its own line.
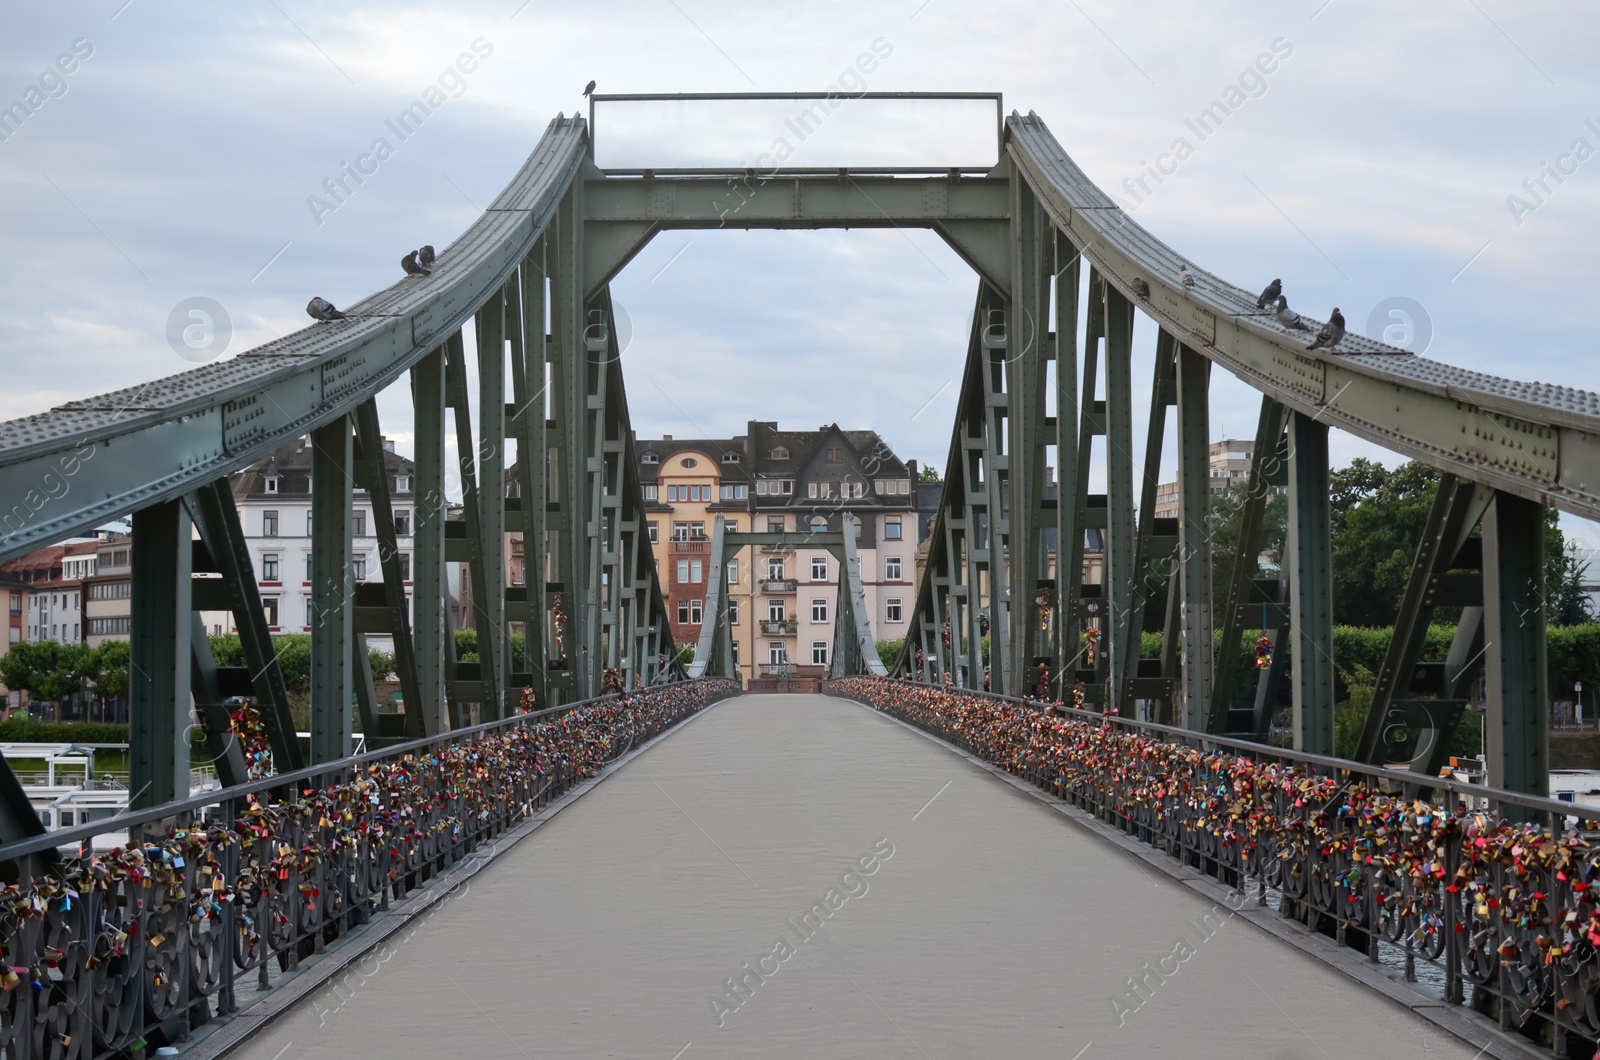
<point>889,651</point>
<point>1564,577</point>
<point>1378,517</point>
<point>927,473</point>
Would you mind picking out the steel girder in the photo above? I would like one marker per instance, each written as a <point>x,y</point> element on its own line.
<point>854,647</point>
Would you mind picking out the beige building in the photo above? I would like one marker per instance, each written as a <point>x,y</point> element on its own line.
<point>1230,463</point>
<point>108,596</point>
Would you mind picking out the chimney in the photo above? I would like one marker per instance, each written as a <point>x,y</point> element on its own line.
<point>911,468</point>
<point>388,445</point>
<point>666,437</point>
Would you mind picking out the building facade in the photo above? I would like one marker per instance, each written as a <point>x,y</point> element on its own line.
<point>783,600</point>
<point>108,595</point>
<point>274,501</point>
<point>1229,460</point>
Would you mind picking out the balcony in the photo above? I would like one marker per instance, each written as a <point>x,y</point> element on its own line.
<point>690,545</point>
<point>779,627</point>
<point>780,586</point>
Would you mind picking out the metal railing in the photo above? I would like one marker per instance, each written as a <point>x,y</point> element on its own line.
<point>121,951</point>
<point>774,627</point>
<point>782,586</point>
<point>1445,884</point>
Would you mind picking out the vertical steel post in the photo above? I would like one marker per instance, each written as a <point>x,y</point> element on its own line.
<point>494,639</point>
<point>1194,540</point>
<point>429,588</point>
<point>1514,618</point>
<point>527,425</point>
<point>1016,619</point>
<point>1069,528</point>
<point>1311,584</point>
<point>159,655</point>
<point>332,635</point>
<point>1122,637</point>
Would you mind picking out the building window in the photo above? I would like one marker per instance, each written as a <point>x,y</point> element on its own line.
<point>689,461</point>
<point>652,493</point>
<point>774,610</point>
<point>786,486</point>
<point>891,569</point>
<point>696,571</point>
<point>733,572</point>
<point>733,613</point>
<point>891,528</point>
<point>819,653</point>
<point>818,524</point>
<point>819,610</point>
<point>308,523</point>
<point>683,612</point>
<point>729,456</point>
<point>649,458</point>
<point>683,571</point>
<point>405,566</point>
<point>361,568</point>
<point>694,612</point>
<point>272,483</point>
<point>891,609</point>
<point>819,568</point>
<point>269,567</point>
<point>734,648</point>
<point>680,531</point>
<point>780,453</point>
<point>672,494</point>
<point>735,492</point>
<point>775,525</point>
<point>402,483</point>
<point>774,568</point>
<point>16,603</point>
<point>835,456</point>
<point>653,531</point>
<point>402,522</point>
<point>269,524</point>
<point>697,531</point>
<point>308,566</point>
<point>776,654</point>
<point>269,607</point>
<point>358,524</point>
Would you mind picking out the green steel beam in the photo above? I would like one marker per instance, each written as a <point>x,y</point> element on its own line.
<point>494,636</point>
<point>159,655</point>
<point>1311,584</point>
<point>1069,500</point>
<point>526,425</point>
<point>1194,539</point>
<point>1150,559</point>
<point>1122,638</point>
<point>429,590</point>
<point>1028,352</point>
<point>332,595</point>
<point>1514,616</point>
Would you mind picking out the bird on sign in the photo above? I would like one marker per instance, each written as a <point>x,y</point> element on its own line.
<point>409,263</point>
<point>1274,289</point>
<point>322,309</point>
<point>1141,288</point>
<point>588,89</point>
<point>1331,332</point>
<point>1185,277</point>
<point>1287,318</point>
<point>425,255</point>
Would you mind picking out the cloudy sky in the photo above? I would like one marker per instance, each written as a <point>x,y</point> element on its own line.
<point>176,159</point>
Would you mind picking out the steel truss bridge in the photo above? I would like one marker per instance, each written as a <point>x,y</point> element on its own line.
<point>1062,272</point>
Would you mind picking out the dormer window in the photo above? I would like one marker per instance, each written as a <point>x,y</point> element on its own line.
<point>649,458</point>
<point>402,483</point>
<point>780,453</point>
<point>730,457</point>
<point>272,484</point>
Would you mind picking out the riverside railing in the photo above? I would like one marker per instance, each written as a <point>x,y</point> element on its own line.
<point>1479,896</point>
<point>118,953</point>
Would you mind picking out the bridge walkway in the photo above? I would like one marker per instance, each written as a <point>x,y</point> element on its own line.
<point>989,926</point>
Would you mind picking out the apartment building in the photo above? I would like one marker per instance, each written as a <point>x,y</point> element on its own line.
<point>274,501</point>
<point>14,606</point>
<point>108,594</point>
<point>783,599</point>
<point>1229,460</point>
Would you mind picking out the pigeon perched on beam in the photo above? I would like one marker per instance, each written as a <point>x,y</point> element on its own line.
<point>425,255</point>
<point>322,309</point>
<point>1287,318</point>
<point>1270,295</point>
<point>588,89</point>
<point>1185,277</point>
<point>1141,288</point>
<point>1331,332</point>
<point>409,263</point>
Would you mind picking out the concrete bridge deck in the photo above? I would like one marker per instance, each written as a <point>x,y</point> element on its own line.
<point>989,926</point>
